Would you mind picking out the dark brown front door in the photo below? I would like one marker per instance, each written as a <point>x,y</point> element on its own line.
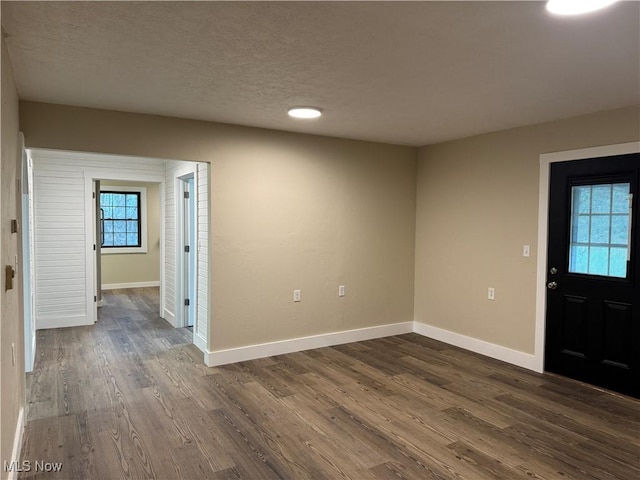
<point>593,289</point>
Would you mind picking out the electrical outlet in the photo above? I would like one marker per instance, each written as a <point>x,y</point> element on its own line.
<point>341,291</point>
<point>296,295</point>
<point>491,294</point>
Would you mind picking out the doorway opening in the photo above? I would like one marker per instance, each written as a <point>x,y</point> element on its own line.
<point>74,232</point>
<point>187,246</point>
<point>128,235</point>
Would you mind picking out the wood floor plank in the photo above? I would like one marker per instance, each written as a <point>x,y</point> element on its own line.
<point>255,453</point>
<point>626,452</point>
<point>209,442</point>
<point>487,466</point>
<point>416,466</point>
<point>492,441</point>
<point>572,463</point>
<point>361,455</point>
<point>130,398</point>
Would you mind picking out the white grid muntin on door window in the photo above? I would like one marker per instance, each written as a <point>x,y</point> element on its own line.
<point>600,229</point>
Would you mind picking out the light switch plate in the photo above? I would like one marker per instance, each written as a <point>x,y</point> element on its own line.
<point>525,251</point>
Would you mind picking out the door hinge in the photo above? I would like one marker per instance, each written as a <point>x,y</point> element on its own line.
<point>95,298</point>
<point>186,249</point>
<point>94,247</point>
<point>186,194</point>
<point>186,302</point>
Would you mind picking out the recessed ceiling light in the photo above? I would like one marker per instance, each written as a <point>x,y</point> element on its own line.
<point>576,7</point>
<point>304,112</point>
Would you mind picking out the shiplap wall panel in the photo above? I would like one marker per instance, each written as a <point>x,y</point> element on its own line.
<point>170,238</point>
<point>60,242</point>
<point>202,314</point>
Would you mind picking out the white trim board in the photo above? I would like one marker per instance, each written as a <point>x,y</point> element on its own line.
<point>251,352</point>
<point>169,317</point>
<point>201,343</point>
<point>115,286</point>
<point>546,159</point>
<point>498,352</point>
<point>63,321</point>
<point>17,445</point>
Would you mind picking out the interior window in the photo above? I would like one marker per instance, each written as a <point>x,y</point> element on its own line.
<point>120,219</point>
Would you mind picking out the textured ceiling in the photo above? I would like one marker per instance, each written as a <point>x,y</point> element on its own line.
<point>410,73</point>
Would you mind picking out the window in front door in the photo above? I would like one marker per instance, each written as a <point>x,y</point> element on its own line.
<point>600,229</point>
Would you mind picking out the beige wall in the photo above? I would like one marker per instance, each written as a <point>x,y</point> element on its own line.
<point>12,377</point>
<point>477,206</point>
<point>299,211</point>
<point>287,211</point>
<point>136,267</point>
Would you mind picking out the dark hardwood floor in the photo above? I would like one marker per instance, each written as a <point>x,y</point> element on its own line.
<point>131,398</point>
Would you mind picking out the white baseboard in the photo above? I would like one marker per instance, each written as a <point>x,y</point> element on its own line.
<point>30,362</point>
<point>200,342</point>
<point>492,350</point>
<point>17,445</point>
<point>115,286</point>
<point>169,317</point>
<point>62,322</point>
<point>251,352</point>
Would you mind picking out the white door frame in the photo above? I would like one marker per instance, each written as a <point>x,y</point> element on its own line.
<point>546,159</point>
<point>28,273</point>
<point>182,174</point>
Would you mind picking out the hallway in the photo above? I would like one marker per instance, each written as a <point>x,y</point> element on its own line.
<point>91,385</point>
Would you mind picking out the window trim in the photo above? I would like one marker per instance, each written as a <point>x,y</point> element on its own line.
<point>143,219</point>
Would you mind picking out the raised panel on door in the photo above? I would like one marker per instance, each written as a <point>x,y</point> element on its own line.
<point>616,335</point>
<point>574,326</point>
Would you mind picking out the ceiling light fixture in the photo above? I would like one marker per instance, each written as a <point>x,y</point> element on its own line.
<point>576,7</point>
<point>304,112</point>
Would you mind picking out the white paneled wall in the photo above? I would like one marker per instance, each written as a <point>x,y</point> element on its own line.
<point>59,243</point>
<point>175,169</point>
<point>202,317</point>
<point>171,276</point>
<point>63,229</point>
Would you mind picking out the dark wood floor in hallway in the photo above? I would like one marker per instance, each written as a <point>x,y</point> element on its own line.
<point>130,398</point>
